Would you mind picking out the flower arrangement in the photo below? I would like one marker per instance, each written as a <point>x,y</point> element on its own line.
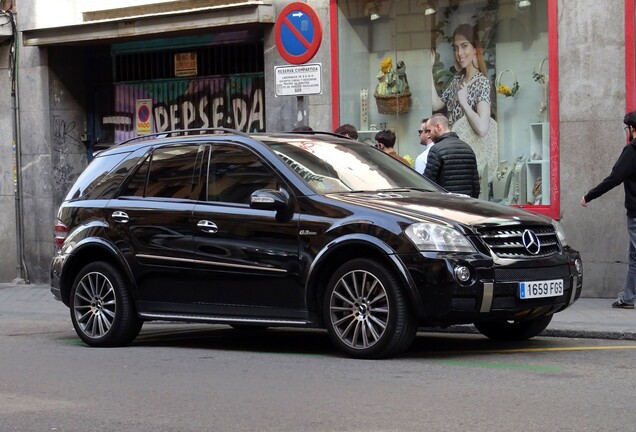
<point>540,77</point>
<point>410,160</point>
<point>505,90</point>
<point>392,94</point>
<point>391,81</point>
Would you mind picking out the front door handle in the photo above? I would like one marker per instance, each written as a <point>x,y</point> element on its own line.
<point>207,226</point>
<point>120,216</point>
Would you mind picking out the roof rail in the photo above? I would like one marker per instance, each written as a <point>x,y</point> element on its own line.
<point>184,132</point>
<point>321,133</point>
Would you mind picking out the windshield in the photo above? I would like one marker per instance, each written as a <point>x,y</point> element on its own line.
<point>329,167</point>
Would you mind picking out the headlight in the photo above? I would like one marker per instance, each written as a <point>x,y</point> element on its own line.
<point>435,237</point>
<point>560,233</point>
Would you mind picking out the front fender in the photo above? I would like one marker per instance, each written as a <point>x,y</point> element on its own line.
<point>376,247</point>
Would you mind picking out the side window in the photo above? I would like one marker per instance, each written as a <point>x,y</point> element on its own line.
<point>235,173</point>
<point>95,174</point>
<point>137,183</point>
<point>169,172</point>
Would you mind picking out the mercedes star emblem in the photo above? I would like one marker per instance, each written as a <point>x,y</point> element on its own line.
<point>531,242</point>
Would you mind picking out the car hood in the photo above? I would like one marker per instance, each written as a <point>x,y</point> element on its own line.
<point>451,208</point>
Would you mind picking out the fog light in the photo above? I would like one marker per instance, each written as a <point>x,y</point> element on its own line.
<point>579,266</point>
<point>462,273</point>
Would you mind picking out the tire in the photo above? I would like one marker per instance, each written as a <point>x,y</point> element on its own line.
<point>366,312</point>
<point>102,311</point>
<point>513,330</point>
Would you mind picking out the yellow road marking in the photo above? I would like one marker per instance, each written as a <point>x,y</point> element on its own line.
<point>529,350</point>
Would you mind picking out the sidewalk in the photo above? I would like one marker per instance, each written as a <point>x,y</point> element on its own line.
<point>587,318</point>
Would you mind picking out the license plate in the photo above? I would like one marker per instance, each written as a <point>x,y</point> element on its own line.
<point>539,289</point>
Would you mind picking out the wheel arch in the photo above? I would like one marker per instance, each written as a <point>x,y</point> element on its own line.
<point>88,251</point>
<point>334,254</point>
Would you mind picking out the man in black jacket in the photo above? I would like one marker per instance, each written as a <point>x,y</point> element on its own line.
<point>451,162</point>
<point>624,171</point>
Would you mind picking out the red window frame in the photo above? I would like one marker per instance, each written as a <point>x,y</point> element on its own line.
<point>630,57</point>
<point>554,208</point>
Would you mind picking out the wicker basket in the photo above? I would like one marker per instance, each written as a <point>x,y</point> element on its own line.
<point>395,104</point>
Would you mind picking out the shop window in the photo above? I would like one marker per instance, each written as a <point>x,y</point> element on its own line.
<point>401,61</point>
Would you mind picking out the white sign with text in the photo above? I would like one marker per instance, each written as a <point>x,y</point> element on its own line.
<point>298,80</point>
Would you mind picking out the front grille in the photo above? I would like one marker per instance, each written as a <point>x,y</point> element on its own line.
<point>531,274</point>
<point>506,242</point>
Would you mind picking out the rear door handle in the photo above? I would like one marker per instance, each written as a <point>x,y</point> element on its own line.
<point>120,216</point>
<point>207,226</point>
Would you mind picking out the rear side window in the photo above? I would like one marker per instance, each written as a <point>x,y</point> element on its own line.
<point>169,172</point>
<point>95,180</point>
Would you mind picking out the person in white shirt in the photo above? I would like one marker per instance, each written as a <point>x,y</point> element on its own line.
<point>427,142</point>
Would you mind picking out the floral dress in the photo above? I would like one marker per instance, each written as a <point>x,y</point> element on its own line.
<point>486,148</point>
<point>478,90</point>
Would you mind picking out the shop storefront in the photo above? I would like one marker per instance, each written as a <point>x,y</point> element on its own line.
<point>196,82</point>
<point>489,65</point>
<point>557,79</point>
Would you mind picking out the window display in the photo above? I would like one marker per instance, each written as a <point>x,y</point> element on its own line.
<point>482,63</point>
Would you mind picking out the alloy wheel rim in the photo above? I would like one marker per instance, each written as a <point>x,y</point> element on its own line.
<point>359,309</point>
<point>95,305</point>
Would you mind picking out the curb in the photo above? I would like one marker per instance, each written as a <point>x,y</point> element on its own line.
<point>549,332</point>
<point>589,334</point>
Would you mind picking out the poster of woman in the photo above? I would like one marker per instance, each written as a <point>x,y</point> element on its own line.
<point>467,98</point>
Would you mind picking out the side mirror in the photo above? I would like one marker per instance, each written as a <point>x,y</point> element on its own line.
<point>268,199</point>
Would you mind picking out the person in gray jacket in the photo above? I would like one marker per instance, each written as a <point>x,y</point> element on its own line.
<point>451,162</point>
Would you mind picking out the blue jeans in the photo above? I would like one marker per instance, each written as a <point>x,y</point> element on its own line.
<point>629,290</point>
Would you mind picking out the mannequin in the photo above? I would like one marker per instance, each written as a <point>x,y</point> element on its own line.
<point>517,190</point>
<point>484,183</point>
<point>501,180</point>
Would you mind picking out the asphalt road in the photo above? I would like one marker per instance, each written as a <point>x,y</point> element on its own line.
<point>213,378</point>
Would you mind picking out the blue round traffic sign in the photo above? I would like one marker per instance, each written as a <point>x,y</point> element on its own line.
<point>144,113</point>
<point>298,33</point>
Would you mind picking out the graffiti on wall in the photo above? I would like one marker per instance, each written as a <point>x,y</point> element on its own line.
<point>68,148</point>
<point>235,102</point>
<point>63,133</point>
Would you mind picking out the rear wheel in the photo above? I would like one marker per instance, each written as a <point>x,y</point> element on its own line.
<point>102,311</point>
<point>366,312</point>
<point>513,330</point>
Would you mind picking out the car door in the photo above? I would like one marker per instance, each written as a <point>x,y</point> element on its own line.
<point>245,258</point>
<point>152,222</point>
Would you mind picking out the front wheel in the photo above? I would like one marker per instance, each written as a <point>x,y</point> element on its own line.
<point>366,312</point>
<point>102,311</point>
<point>513,330</point>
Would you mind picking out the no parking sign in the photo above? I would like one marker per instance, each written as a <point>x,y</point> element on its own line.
<point>144,116</point>
<point>298,33</point>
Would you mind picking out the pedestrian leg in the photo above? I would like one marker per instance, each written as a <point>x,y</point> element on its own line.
<point>629,290</point>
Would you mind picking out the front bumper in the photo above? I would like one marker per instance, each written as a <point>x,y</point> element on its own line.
<point>492,292</point>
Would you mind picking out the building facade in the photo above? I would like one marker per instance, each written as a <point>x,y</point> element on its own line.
<point>539,88</point>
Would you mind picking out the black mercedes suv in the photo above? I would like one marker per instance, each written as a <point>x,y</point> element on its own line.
<point>297,230</point>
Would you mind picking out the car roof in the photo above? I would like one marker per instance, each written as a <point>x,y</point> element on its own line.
<point>220,134</point>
